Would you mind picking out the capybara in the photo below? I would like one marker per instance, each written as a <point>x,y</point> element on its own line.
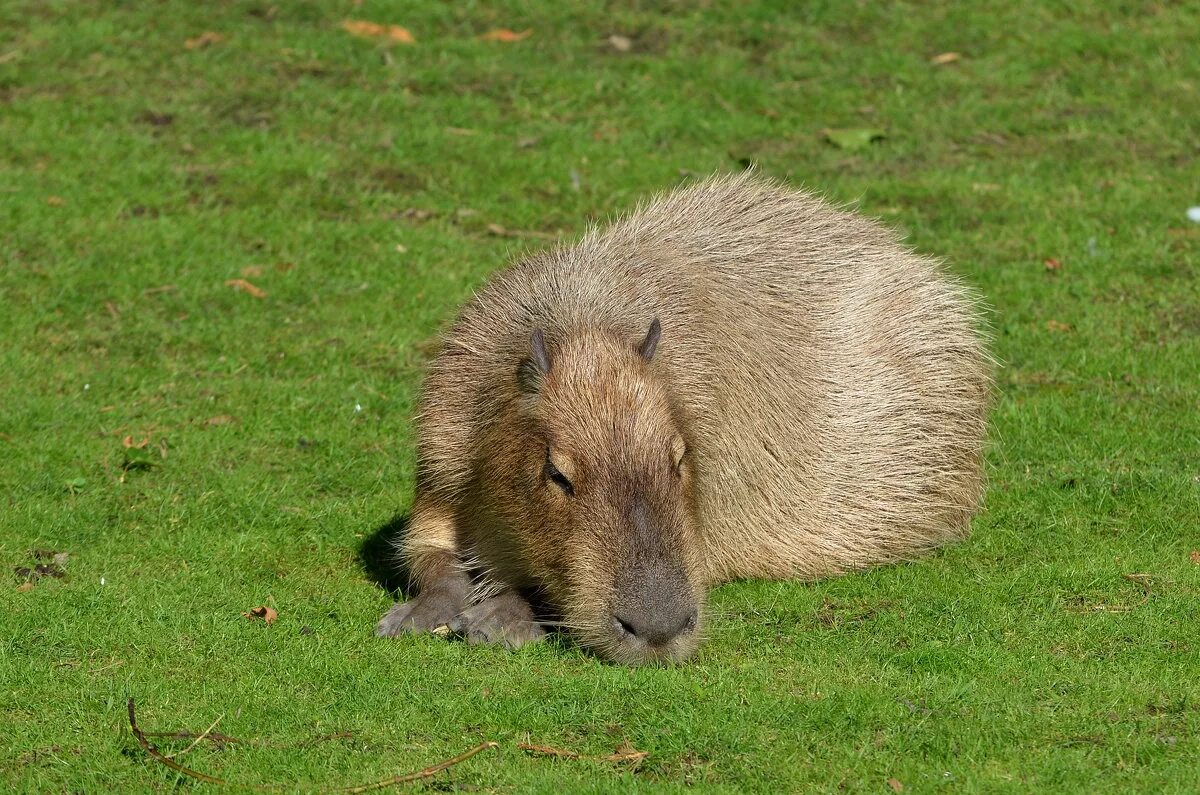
<point>737,380</point>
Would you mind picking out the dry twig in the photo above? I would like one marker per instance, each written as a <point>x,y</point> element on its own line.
<point>392,781</point>
<point>624,753</point>
<point>198,740</point>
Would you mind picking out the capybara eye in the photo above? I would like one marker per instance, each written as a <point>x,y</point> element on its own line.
<point>558,478</point>
<point>678,451</point>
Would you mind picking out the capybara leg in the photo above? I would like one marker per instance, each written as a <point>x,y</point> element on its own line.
<point>506,618</point>
<point>443,596</point>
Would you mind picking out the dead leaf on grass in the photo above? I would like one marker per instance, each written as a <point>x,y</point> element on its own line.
<point>1194,556</point>
<point>941,60</point>
<point>205,39</point>
<point>220,419</point>
<point>252,271</point>
<point>620,43</point>
<point>284,267</point>
<point>1052,264</point>
<point>504,34</point>
<point>246,287</point>
<point>1057,326</point>
<point>500,231</point>
<point>128,442</point>
<point>56,201</point>
<point>416,214</point>
<point>25,587</point>
<point>623,753</point>
<point>371,30</point>
<point>267,614</point>
<point>895,784</point>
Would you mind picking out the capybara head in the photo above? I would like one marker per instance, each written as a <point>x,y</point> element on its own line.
<point>604,478</point>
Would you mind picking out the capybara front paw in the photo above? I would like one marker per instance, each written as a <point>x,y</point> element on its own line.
<point>425,613</point>
<point>506,619</point>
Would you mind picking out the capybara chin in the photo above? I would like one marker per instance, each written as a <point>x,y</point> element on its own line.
<point>737,380</point>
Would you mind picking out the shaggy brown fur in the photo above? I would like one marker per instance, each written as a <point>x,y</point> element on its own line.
<point>816,404</point>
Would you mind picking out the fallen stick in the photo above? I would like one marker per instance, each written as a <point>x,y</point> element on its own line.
<point>391,781</point>
<point>420,774</point>
<point>171,763</point>
<point>561,753</point>
<point>198,740</point>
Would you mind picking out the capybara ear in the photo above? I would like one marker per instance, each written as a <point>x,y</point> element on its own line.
<point>540,357</point>
<point>646,349</point>
<point>531,370</point>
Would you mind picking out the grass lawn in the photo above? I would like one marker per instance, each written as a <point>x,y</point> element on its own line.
<point>362,190</point>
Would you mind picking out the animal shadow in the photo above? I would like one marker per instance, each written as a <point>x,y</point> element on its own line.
<point>379,555</point>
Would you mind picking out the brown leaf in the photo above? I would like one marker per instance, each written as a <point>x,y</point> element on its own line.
<point>252,271</point>
<point>246,287</point>
<point>620,43</point>
<point>220,419</point>
<point>1053,264</point>
<point>56,201</point>
<point>128,442</point>
<point>1194,556</point>
<point>895,784</point>
<point>267,614</point>
<point>500,231</point>
<point>284,267</point>
<point>942,60</point>
<point>24,587</point>
<point>1054,325</point>
<point>370,30</point>
<point>504,34</point>
<point>203,40</point>
<point>417,214</point>
<point>623,753</point>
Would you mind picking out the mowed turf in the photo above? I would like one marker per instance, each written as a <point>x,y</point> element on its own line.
<point>364,190</point>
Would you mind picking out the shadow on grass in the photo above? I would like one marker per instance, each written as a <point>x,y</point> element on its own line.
<point>380,558</point>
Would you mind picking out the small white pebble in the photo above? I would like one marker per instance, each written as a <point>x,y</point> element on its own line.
<point>101,580</point>
<point>86,387</point>
<point>357,407</point>
<point>400,247</point>
<point>1193,214</point>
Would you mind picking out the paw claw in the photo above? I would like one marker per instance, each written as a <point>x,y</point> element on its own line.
<point>506,619</point>
<point>428,612</point>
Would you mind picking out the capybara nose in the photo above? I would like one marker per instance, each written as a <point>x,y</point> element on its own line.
<point>656,627</point>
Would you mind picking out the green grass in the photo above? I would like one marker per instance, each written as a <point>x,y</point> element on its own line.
<point>137,176</point>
